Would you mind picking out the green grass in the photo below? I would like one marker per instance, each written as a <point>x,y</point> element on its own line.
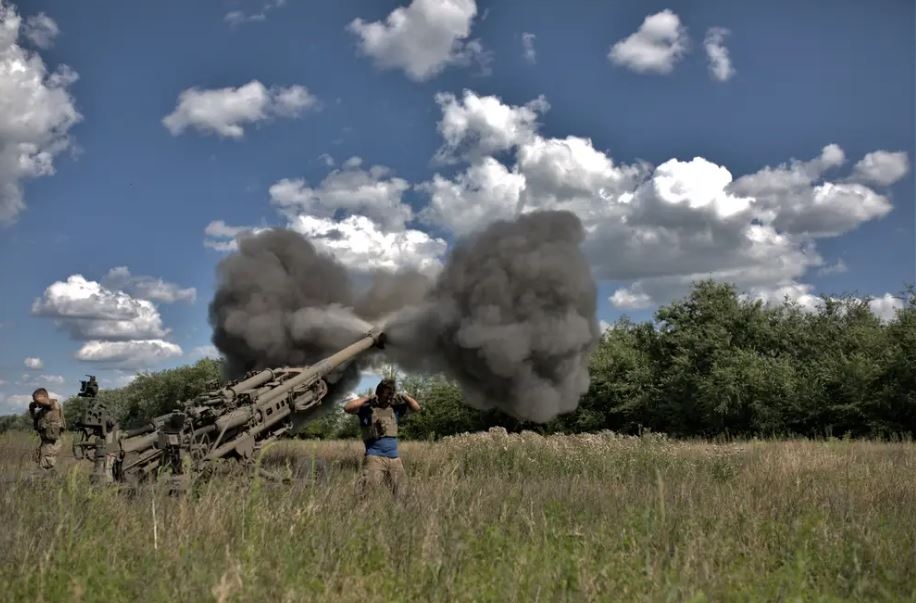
<point>487,518</point>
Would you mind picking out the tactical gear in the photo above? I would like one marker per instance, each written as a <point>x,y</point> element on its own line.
<point>49,421</point>
<point>382,423</point>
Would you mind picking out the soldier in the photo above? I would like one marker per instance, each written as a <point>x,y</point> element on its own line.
<point>48,419</point>
<point>378,420</point>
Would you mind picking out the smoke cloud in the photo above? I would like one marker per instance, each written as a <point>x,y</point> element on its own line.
<point>511,317</point>
<point>281,303</point>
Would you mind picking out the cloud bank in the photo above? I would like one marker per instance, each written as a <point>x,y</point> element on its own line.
<point>36,108</point>
<point>116,320</point>
<point>653,228</point>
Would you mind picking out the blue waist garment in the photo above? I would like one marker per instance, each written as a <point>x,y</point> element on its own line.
<point>387,447</point>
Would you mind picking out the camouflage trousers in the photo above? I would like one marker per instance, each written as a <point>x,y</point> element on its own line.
<point>46,455</point>
<point>378,470</point>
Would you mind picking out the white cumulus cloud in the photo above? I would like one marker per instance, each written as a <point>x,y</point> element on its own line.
<point>698,184</point>
<point>220,236</point>
<point>226,111</point>
<point>128,354</point>
<point>799,293</point>
<point>793,199</point>
<point>885,307</point>
<point>881,167</point>
<point>474,125</point>
<point>359,243</point>
<point>487,191</point>
<point>570,173</point>
<point>36,113</point>
<point>422,38</point>
<point>88,310</point>
<point>355,214</point>
<point>147,287</point>
<point>658,228</point>
<point>372,192</point>
<point>655,47</point>
<point>33,363</point>
<point>720,63</point>
<point>631,300</point>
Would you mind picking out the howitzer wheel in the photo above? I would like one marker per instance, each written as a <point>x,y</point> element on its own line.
<point>200,447</point>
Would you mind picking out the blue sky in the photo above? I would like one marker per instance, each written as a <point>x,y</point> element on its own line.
<point>767,143</point>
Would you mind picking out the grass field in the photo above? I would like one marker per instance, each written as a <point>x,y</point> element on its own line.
<point>487,518</point>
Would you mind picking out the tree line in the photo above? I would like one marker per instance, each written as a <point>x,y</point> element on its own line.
<point>717,364</point>
<point>711,364</point>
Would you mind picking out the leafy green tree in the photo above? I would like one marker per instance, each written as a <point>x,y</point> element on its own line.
<point>621,390</point>
<point>15,423</point>
<point>151,394</point>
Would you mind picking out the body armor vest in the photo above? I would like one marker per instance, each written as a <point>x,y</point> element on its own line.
<point>382,424</point>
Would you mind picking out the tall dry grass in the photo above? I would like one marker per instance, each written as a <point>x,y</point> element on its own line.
<point>487,518</point>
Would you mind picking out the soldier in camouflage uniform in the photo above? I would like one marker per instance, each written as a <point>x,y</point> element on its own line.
<point>48,419</point>
<point>378,420</point>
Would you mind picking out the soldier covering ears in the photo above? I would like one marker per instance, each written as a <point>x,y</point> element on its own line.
<point>48,419</point>
<point>378,420</point>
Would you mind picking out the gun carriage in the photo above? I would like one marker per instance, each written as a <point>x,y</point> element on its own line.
<point>229,422</point>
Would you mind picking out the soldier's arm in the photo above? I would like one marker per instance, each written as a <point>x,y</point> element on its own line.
<point>354,405</point>
<point>412,404</point>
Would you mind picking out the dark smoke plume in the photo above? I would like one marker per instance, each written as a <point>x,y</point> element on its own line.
<point>511,318</point>
<point>281,303</point>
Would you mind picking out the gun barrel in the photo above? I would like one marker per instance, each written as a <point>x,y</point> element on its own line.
<point>137,431</point>
<point>138,443</point>
<point>323,367</point>
<point>250,383</point>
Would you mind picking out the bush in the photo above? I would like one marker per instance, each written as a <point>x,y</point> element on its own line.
<point>15,423</point>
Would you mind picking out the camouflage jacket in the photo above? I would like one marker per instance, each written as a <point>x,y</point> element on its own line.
<point>49,420</point>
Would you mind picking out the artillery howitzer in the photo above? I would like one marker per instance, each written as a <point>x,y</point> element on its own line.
<point>231,422</point>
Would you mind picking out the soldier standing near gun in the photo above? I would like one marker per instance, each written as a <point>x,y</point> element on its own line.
<point>48,419</point>
<point>378,420</point>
